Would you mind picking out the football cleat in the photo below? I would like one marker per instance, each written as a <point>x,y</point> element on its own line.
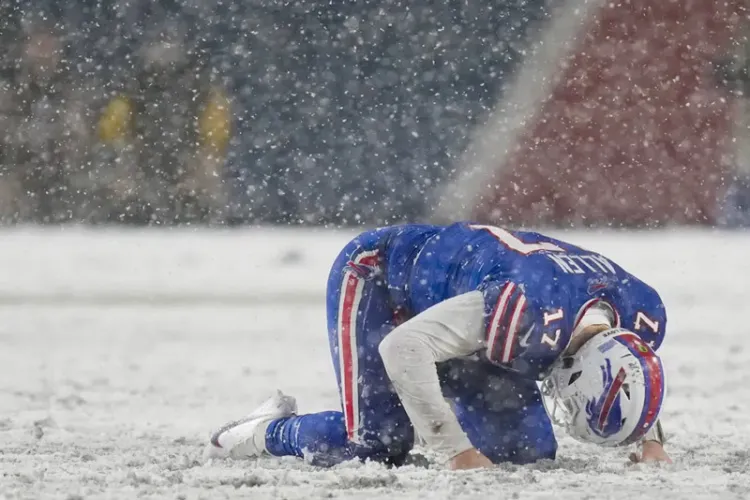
<point>245,438</point>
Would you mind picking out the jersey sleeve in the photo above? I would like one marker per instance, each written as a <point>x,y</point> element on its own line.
<point>642,311</point>
<point>521,334</point>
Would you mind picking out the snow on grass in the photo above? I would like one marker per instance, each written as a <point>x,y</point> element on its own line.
<point>116,399</point>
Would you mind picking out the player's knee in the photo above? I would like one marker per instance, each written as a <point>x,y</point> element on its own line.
<point>386,434</point>
<point>541,449</point>
<point>518,449</point>
<point>390,444</point>
<point>537,437</point>
<point>537,441</point>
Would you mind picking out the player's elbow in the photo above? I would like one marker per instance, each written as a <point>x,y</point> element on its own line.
<point>400,350</point>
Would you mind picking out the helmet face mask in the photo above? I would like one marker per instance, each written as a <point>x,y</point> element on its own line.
<point>562,410</point>
<point>609,392</point>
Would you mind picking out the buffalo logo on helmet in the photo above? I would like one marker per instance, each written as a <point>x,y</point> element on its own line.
<point>604,413</point>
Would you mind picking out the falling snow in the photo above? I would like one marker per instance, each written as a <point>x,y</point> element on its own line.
<point>121,349</point>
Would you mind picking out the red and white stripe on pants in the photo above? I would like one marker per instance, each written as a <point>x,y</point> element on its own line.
<point>349,302</point>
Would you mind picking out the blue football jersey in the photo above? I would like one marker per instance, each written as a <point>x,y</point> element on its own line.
<point>536,288</point>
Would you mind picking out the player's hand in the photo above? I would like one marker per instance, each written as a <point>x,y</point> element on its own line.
<point>652,451</point>
<point>470,459</point>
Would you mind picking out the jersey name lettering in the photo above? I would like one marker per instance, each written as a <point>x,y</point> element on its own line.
<point>581,264</point>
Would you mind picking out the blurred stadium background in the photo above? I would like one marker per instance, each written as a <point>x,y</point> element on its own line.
<point>365,112</point>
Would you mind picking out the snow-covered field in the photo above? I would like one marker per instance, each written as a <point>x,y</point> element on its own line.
<point>121,350</point>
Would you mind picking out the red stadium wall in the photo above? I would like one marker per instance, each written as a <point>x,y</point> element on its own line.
<point>636,132</point>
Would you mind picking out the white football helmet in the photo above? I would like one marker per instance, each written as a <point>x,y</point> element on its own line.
<point>610,392</point>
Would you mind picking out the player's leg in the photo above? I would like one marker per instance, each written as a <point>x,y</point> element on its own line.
<point>372,424</point>
<point>501,413</point>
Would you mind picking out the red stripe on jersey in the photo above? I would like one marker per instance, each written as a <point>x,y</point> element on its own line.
<point>512,334</point>
<point>498,313</point>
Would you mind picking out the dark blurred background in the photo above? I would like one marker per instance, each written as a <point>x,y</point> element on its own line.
<point>355,112</point>
<point>306,112</point>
